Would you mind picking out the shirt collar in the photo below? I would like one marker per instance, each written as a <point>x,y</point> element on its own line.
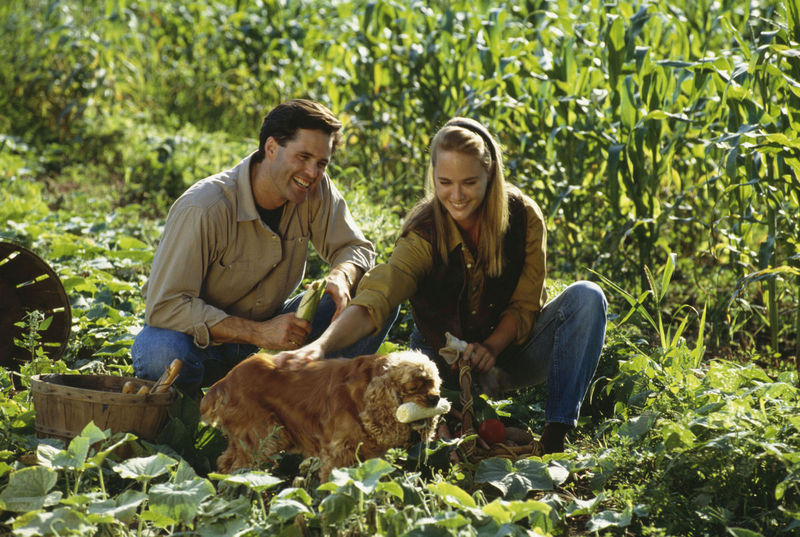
<point>454,238</point>
<point>247,204</point>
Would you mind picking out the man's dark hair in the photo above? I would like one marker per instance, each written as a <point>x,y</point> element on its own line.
<point>283,121</point>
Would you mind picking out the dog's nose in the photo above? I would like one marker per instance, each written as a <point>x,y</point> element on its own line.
<point>432,400</point>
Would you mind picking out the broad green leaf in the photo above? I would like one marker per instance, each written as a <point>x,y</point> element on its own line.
<point>452,495</point>
<point>581,507</point>
<point>287,509</point>
<point>61,521</point>
<point>46,454</point>
<point>367,475</point>
<point>638,426</point>
<point>516,480</point>
<point>117,440</point>
<point>74,456</point>
<point>181,500</point>
<point>294,493</point>
<point>538,473</point>
<point>493,469</point>
<point>28,489</point>
<point>184,472</point>
<point>676,436</point>
<point>447,519</point>
<point>158,519</point>
<point>227,527</point>
<point>504,512</point>
<point>606,519</point>
<point>391,487</point>
<point>77,500</point>
<point>145,468</point>
<point>558,472</point>
<point>336,507</point>
<point>256,480</point>
<point>125,242</point>
<point>122,508</point>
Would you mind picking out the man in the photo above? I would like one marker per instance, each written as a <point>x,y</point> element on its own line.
<point>234,249</point>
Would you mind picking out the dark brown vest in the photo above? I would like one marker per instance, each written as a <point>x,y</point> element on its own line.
<point>441,303</point>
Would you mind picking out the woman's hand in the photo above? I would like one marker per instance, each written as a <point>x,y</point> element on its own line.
<point>481,357</point>
<point>339,290</point>
<point>294,360</point>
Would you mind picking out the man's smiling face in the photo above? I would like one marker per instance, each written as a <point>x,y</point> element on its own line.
<point>296,168</point>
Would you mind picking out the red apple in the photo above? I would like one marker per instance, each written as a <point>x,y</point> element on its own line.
<point>492,431</point>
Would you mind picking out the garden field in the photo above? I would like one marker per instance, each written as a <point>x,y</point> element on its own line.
<point>661,139</point>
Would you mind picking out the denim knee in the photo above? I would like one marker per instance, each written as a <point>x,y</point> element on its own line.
<point>155,348</point>
<point>590,293</point>
<point>590,300</point>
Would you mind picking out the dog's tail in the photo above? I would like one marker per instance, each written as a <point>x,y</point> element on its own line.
<point>214,399</point>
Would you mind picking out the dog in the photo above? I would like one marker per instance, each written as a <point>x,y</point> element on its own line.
<point>335,409</point>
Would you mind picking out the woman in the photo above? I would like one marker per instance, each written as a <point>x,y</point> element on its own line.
<point>471,260</point>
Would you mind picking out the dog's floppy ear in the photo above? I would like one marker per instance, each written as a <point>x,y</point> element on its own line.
<point>212,401</point>
<point>379,391</point>
<point>380,401</point>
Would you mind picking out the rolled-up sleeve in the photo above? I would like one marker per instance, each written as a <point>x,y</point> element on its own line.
<point>335,234</point>
<point>530,294</point>
<point>387,285</point>
<point>176,277</point>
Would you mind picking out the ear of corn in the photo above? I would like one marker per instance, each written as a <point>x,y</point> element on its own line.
<point>408,412</point>
<point>308,304</point>
<point>168,377</point>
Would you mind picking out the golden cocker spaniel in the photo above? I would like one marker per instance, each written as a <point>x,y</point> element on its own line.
<point>334,409</point>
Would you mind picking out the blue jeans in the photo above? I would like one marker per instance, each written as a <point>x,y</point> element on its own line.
<point>563,350</point>
<point>155,348</point>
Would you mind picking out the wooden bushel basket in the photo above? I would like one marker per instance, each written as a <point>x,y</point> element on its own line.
<point>27,283</point>
<point>64,404</point>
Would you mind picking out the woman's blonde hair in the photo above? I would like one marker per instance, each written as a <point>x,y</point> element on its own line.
<point>469,137</point>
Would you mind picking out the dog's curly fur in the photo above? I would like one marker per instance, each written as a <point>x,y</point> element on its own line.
<point>329,408</point>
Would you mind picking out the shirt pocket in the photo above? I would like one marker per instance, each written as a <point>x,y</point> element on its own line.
<point>295,258</point>
<point>227,283</point>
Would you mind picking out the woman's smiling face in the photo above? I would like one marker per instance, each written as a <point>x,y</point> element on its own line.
<point>461,182</point>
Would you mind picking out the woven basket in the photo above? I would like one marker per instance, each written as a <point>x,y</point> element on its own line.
<point>64,404</point>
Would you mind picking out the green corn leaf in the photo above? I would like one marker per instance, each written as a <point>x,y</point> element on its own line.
<point>628,110</point>
<point>666,277</point>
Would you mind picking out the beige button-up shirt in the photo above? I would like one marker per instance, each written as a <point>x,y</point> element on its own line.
<point>217,258</point>
<point>389,284</point>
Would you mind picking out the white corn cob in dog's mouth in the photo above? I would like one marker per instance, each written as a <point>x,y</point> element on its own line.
<point>409,412</point>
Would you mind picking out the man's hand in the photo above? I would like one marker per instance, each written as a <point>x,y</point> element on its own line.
<point>294,360</point>
<point>282,332</point>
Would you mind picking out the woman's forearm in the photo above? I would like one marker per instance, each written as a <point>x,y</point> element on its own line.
<point>353,324</point>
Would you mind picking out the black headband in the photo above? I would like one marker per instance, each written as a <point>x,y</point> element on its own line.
<point>477,130</point>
